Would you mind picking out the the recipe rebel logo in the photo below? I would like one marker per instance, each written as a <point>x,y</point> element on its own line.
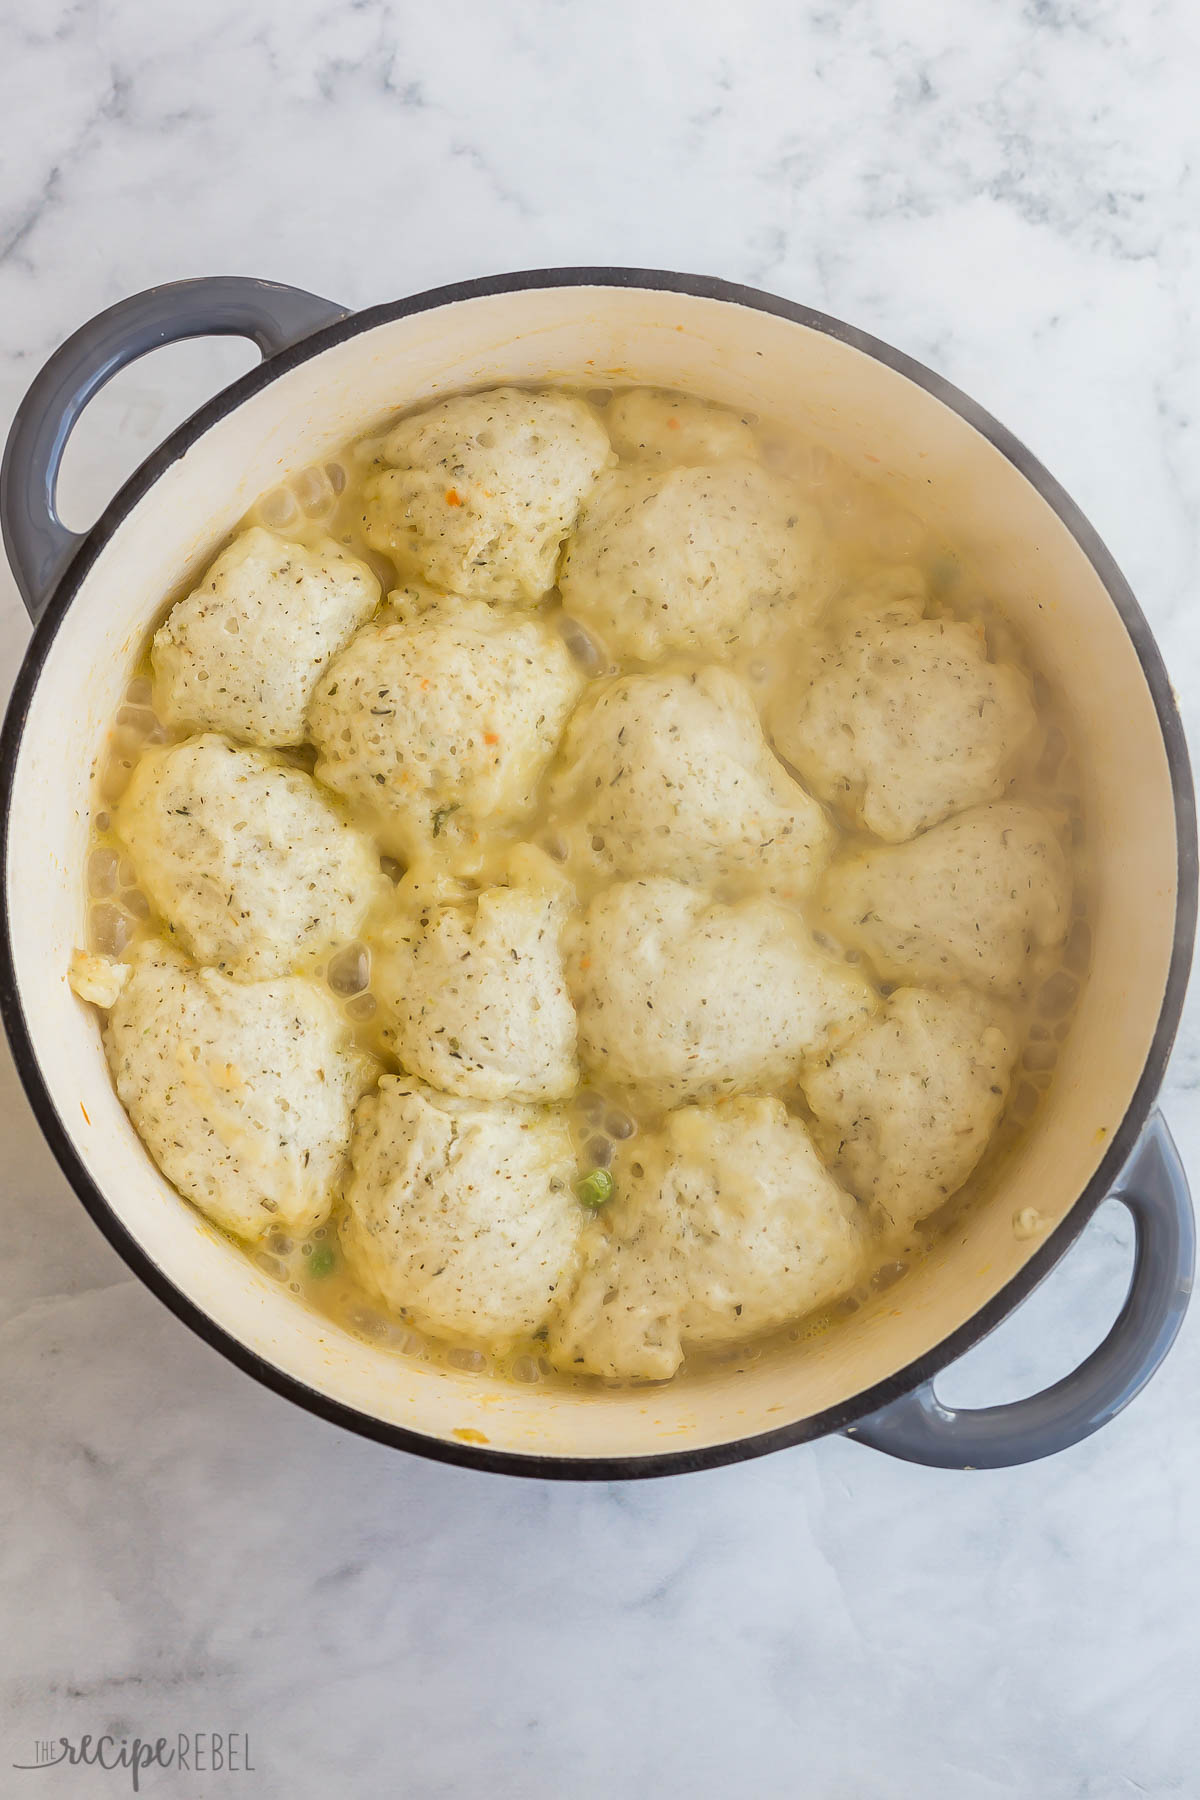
<point>193,1752</point>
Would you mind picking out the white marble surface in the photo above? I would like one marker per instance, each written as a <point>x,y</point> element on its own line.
<point>1009,191</point>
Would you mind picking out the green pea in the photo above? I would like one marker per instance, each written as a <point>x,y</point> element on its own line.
<point>595,1188</point>
<point>320,1262</point>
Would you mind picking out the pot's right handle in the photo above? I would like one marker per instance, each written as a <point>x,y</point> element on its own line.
<point>918,1428</point>
<point>39,545</point>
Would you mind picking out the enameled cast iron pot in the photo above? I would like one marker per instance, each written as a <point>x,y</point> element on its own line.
<point>326,375</point>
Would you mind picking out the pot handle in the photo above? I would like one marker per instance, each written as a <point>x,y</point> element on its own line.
<point>919,1429</point>
<point>39,545</point>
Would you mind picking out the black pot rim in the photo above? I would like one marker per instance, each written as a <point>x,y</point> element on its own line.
<point>1123,1139</point>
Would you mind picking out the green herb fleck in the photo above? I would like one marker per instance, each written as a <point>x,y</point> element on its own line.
<point>440,817</point>
<point>321,1262</point>
<point>595,1188</point>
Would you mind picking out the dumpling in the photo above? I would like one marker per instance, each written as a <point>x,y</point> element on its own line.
<point>671,775</point>
<point>904,1110</point>
<point>725,1223</point>
<point>903,720</point>
<point>461,1214</point>
<point>241,1091</point>
<point>693,560</point>
<point>971,900</point>
<point>472,987</point>
<point>442,717</point>
<point>480,490</point>
<point>653,426</point>
<point>681,998</point>
<point>243,652</point>
<point>244,857</point>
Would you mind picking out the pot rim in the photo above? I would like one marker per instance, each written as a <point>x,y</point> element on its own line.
<point>1122,1141</point>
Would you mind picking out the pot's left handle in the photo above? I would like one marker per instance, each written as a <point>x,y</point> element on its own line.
<point>39,545</point>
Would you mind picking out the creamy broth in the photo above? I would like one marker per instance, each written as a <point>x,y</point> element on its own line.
<point>869,534</point>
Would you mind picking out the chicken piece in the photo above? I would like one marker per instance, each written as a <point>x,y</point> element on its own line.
<point>97,979</point>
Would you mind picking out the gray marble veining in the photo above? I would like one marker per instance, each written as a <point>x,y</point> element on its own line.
<point>1006,190</point>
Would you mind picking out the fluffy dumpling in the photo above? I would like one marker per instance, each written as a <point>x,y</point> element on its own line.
<point>243,652</point>
<point>671,775</point>
<point>971,900</point>
<point>441,717</point>
<point>460,1213</point>
<point>681,998</point>
<point>244,857</point>
<point>902,720</point>
<point>692,559</point>
<point>725,1223</point>
<point>478,492</point>
<point>472,987</point>
<point>904,1110</point>
<point>242,1092</point>
<point>652,426</point>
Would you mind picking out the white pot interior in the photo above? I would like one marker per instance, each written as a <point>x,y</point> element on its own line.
<point>780,369</point>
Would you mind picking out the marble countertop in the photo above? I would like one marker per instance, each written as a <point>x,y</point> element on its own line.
<point>1007,191</point>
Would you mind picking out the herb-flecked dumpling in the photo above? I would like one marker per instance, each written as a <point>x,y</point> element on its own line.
<point>460,1213</point>
<point>669,774</point>
<point>972,900</point>
<point>696,560</point>
<point>725,1223</point>
<point>244,650</point>
<point>476,493</point>
<point>440,717</point>
<point>242,1091</point>
<point>680,997</point>
<point>899,720</point>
